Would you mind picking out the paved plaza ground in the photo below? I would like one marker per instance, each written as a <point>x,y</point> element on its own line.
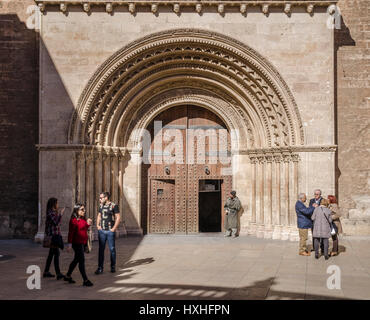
<point>206,266</point>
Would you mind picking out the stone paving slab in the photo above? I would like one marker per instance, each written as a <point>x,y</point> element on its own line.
<point>193,267</point>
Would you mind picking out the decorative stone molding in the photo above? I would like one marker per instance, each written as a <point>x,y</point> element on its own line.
<point>287,150</point>
<point>86,7</point>
<point>132,7</point>
<point>310,8</point>
<point>154,7</point>
<point>243,8</point>
<point>332,9</point>
<point>288,8</point>
<point>221,8</point>
<point>109,7</point>
<point>176,8</point>
<point>273,157</point>
<point>83,149</point>
<point>63,7</point>
<point>198,7</point>
<point>221,5</point>
<point>41,6</point>
<point>196,52</point>
<point>265,8</point>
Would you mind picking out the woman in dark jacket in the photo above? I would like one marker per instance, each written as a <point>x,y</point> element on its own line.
<point>335,215</point>
<point>52,229</point>
<point>77,237</point>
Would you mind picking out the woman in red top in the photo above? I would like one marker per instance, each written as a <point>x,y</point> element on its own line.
<point>77,236</point>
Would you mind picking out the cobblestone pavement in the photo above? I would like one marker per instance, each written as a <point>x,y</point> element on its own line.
<point>206,266</point>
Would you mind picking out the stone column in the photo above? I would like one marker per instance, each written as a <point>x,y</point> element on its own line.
<point>260,197</point>
<point>277,198</point>
<point>253,196</point>
<point>268,197</point>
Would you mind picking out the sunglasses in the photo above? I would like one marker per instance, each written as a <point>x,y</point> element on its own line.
<point>83,209</point>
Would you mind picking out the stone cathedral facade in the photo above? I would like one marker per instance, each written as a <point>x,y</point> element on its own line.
<point>265,70</point>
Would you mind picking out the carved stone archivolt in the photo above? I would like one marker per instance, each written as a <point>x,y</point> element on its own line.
<point>243,87</point>
<point>191,67</point>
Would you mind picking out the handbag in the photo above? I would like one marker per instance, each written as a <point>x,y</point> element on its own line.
<point>46,243</point>
<point>333,227</point>
<point>57,241</point>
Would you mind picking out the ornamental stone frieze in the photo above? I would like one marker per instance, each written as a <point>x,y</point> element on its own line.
<point>197,5</point>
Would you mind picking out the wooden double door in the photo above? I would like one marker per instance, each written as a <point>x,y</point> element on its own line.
<point>187,174</point>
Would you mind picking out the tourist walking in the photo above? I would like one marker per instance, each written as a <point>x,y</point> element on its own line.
<point>107,223</point>
<point>304,222</point>
<point>232,207</point>
<point>322,220</point>
<point>53,238</point>
<point>77,239</point>
<point>335,215</point>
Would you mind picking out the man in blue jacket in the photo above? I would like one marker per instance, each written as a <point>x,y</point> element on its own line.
<point>317,198</point>
<point>304,222</point>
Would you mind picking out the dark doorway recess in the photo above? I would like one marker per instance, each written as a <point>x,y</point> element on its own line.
<point>210,206</point>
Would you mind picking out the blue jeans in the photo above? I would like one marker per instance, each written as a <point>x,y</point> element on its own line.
<point>105,235</point>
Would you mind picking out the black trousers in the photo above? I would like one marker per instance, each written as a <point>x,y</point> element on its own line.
<point>79,259</point>
<point>53,253</point>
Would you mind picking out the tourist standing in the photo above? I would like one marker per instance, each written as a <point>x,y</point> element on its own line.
<point>107,223</point>
<point>322,220</point>
<point>53,238</point>
<point>304,222</point>
<point>335,215</point>
<point>77,239</point>
<point>232,207</point>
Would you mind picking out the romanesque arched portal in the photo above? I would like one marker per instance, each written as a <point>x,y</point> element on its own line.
<point>191,67</point>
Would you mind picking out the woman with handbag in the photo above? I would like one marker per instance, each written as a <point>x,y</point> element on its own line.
<point>335,215</point>
<point>322,227</point>
<point>78,239</point>
<point>53,238</point>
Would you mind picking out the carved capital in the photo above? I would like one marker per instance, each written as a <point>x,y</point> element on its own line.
<point>198,8</point>
<point>286,157</point>
<point>261,159</point>
<point>253,159</point>
<point>278,158</point>
<point>295,157</point>
<point>269,158</point>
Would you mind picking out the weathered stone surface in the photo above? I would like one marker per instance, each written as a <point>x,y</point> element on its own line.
<point>327,75</point>
<point>353,110</point>
<point>19,121</point>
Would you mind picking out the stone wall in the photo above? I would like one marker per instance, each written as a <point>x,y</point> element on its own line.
<point>353,115</point>
<point>19,121</point>
<point>19,104</point>
<point>299,46</point>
